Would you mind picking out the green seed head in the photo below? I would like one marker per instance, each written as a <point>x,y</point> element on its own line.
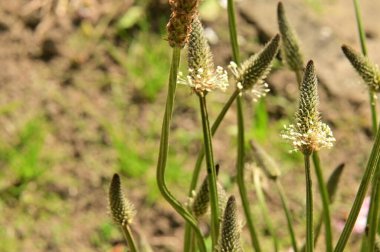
<point>122,210</point>
<point>367,70</point>
<point>229,240</point>
<point>199,52</point>
<point>252,72</point>
<point>179,26</point>
<point>202,76</point>
<point>202,199</point>
<point>309,133</point>
<point>290,48</point>
<point>307,114</point>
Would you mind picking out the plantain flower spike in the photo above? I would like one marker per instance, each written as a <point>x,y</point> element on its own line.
<point>290,48</point>
<point>369,72</point>
<point>122,210</point>
<point>179,26</point>
<point>308,134</point>
<point>229,240</point>
<point>201,201</point>
<point>252,72</point>
<point>202,76</point>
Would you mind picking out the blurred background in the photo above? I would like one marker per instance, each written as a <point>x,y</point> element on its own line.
<point>82,93</point>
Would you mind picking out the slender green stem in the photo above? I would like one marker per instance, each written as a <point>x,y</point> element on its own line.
<point>317,232</point>
<point>128,236</point>
<point>363,44</point>
<point>232,30</point>
<point>372,100</point>
<point>264,209</point>
<point>309,206</point>
<point>361,31</point>
<point>198,164</point>
<point>373,162</point>
<point>220,117</point>
<point>289,218</point>
<point>373,218</point>
<point>211,171</point>
<point>325,202</point>
<point>240,121</point>
<point>372,223</point>
<point>240,178</point>
<point>214,128</point>
<point>164,148</point>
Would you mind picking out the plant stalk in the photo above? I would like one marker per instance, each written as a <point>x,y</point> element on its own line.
<point>198,164</point>
<point>240,178</point>
<point>289,218</point>
<point>128,236</point>
<point>309,206</point>
<point>240,122</point>
<point>164,148</point>
<point>373,216</point>
<point>363,44</point>
<point>325,201</point>
<point>373,162</point>
<point>372,223</point>
<point>211,171</point>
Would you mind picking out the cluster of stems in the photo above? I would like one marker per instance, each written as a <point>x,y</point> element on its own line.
<point>308,135</point>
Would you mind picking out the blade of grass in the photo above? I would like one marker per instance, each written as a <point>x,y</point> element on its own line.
<point>325,201</point>
<point>164,147</point>
<point>240,122</point>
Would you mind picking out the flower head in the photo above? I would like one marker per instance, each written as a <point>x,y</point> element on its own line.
<point>179,26</point>
<point>369,72</point>
<point>229,240</point>
<point>308,134</point>
<point>122,210</point>
<point>252,72</point>
<point>201,200</point>
<point>202,76</point>
<point>290,48</point>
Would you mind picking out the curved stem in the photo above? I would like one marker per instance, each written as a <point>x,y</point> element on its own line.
<point>211,171</point>
<point>373,162</point>
<point>128,236</point>
<point>163,152</point>
<point>240,178</point>
<point>325,202</point>
<point>309,206</point>
<point>289,218</point>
